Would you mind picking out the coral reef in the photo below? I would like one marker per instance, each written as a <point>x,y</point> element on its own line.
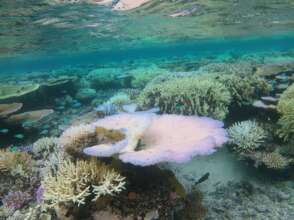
<point>15,163</point>
<point>7,109</point>
<point>275,160</point>
<point>76,138</point>
<point>286,109</point>
<point>16,200</point>
<point>247,136</point>
<point>75,182</point>
<point>43,147</point>
<point>200,96</point>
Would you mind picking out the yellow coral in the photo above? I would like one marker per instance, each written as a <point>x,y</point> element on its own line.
<point>15,163</point>
<point>74,182</point>
<point>275,160</point>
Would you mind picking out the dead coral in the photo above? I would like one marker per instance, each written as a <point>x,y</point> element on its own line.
<point>76,138</point>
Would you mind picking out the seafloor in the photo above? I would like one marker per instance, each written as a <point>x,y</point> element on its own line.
<point>176,110</point>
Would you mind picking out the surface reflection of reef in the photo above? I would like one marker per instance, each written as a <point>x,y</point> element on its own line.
<point>84,27</point>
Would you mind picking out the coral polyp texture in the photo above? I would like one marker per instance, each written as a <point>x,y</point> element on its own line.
<point>74,182</point>
<point>188,96</point>
<point>275,160</point>
<point>247,136</point>
<point>286,109</point>
<point>151,138</point>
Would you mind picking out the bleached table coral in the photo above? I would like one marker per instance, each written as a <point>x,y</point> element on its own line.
<point>160,138</point>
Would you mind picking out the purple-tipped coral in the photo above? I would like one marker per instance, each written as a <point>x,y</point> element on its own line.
<point>16,200</point>
<point>40,194</point>
<point>162,138</point>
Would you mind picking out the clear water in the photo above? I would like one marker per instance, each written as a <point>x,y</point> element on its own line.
<point>44,43</point>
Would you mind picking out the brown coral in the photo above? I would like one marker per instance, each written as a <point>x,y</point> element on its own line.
<point>76,138</point>
<point>275,160</point>
<point>7,109</point>
<point>15,163</point>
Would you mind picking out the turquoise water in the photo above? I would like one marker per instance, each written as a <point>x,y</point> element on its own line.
<point>197,49</point>
<point>141,114</point>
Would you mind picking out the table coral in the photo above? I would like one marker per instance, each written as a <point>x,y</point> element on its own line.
<point>151,138</point>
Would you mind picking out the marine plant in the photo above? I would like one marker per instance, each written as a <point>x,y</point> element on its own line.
<point>188,96</point>
<point>246,136</point>
<point>286,109</point>
<point>74,182</point>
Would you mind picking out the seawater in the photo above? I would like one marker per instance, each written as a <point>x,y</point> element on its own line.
<point>65,67</point>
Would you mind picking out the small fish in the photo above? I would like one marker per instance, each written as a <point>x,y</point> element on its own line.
<point>19,136</point>
<point>203,178</point>
<point>4,131</point>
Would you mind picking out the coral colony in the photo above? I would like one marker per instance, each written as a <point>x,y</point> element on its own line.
<point>122,110</point>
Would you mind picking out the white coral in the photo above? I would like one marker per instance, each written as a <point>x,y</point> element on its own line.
<point>110,184</point>
<point>247,136</point>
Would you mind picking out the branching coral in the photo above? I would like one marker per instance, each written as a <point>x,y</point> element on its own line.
<point>15,163</point>
<point>43,147</point>
<point>16,200</point>
<point>275,160</point>
<point>244,89</point>
<point>247,136</point>
<point>75,182</point>
<point>286,109</point>
<point>188,96</point>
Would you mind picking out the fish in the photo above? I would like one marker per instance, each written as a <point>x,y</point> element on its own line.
<point>19,136</point>
<point>203,178</point>
<point>4,131</point>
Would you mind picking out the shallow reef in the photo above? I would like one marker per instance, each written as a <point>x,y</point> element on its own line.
<point>114,142</point>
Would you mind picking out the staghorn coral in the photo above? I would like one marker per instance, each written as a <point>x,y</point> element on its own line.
<point>75,182</point>
<point>286,109</point>
<point>188,96</point>
<point>247,136</point>
<point>275,160</point>
<point>15,163</point>
<point>43,147</point>
<point>244,89</point>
